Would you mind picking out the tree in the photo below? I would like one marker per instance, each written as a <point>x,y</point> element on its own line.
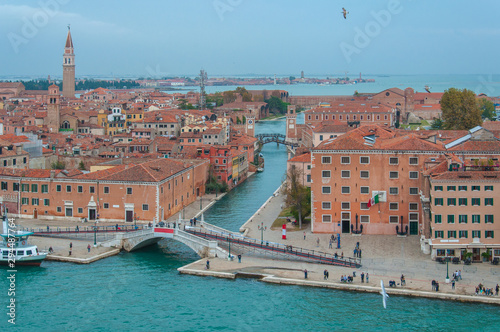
<point>460,109</point>
<point>58,165</point>
<point>437,124</point>
<point>276,105</point>
<point>81,166</point>
<point>229,97</point>
<point>487,108</point>
<point>298,196</point>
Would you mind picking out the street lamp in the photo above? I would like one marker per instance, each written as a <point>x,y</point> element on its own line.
<point>95,231</point>
<point>201,202</point>
<point>229,244</point>
<point>262,228</point>
<point>447,275</point>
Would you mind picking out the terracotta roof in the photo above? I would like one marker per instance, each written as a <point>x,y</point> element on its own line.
<point>303,158</point>
<point>468,176</point>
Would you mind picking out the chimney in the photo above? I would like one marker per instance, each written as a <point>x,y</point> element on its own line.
<point>19,149</point>
<point>52,173</point>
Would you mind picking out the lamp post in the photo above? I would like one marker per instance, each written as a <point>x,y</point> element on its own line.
<point>95,231</point>
<point>201,203</point>
<point>262,228</point>
<point>447,275</point>
<point>135,221</point>
<point>229,245</point>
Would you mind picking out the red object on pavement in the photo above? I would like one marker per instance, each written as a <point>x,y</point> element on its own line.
<point>283,232</point>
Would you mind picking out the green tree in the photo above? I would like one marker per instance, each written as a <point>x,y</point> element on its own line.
<point>244,119</point>
<point>460,109</point>
<point>276,105</point>
<point>184,105</point>
<point>487,108</point>
<point>298,196</point>
<point>437,124</point>
<point>81,166</point>
<point>58,165</point>
<point>229,97</point>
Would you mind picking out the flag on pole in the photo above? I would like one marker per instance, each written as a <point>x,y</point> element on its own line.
<point>373,201</point>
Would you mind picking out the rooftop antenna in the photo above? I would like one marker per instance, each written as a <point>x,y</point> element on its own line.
<point>203,79</point>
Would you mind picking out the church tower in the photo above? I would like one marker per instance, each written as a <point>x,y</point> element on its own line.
<point>69,68</point>
<point>53,109</point>
<point>291,124</point>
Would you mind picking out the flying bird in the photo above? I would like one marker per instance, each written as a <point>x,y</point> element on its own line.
<point>344,12</point>
<point>427,89</point>
<point>384,294</point>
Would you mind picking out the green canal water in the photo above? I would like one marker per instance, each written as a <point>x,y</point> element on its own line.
<point>142,291</point>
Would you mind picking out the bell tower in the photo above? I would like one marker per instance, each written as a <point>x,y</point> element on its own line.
<point>250,126</point>
<point>69,68</point>
<point>53,109</point>
<point>291,124</point>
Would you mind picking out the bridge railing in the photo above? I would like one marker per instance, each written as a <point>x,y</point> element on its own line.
<point>316,255</point>
<point>83,229</point>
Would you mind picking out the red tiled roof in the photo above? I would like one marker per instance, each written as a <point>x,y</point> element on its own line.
<point>303,158</point>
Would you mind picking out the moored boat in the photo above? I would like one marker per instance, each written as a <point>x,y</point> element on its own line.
<point>15,249</point>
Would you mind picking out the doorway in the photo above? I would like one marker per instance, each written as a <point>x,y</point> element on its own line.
<point>129,216</point>
<point>346,222</point>
<point>413,227</point>
<point>35,214</point>
<point>476,254</point>
<point>92,214</point>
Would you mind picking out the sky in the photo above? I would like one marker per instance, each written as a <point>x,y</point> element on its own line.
<point>238,37</point>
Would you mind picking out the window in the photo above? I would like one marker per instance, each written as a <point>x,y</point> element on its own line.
<point>439,235</point>
<point>476,218</point>
<point>393,219</point>
<point>475,188</point>
<point>451,219</point>
<point>437,219</point>
<point>129,190</point>
<point>451,188</point>
<point>462,188</point>
<point>25,201</point>
<point>45,188</point>
<point>80,210</point>
<point>25,188</point>
<point>325,174</point>
<point>365,190</point>
<point>327,218</point>
<point>145,207</point>
<point>438,188</point>
<point>452,234</point>
<point>363,206</point>
<point>68,189</point>
<point>438,201</point>
<point>364,160</point>
<point>364,219</point>
<point>393,161</point>
<point>413,161</point>
<point>476,234</point>
<point>35,201</point>
<point>393,175</point>
<point>393,206</point>
<point>106,190</point>
<point>345,160</point>
<point>15,186</point>
<point>488,219</point>
<point>106,205</point>
<point>326,160</point>
<point>79,189</point>
<point>452,201</point>
<point>91,189</point>
<point>345,174</point>
<point>488,188</point>
<point>326,205</point>
<point>346,205</point>
<point>462,218</point>
<point>413,206</point>
<point>34,188</point>
<point>346,190</point>
<point>326,190</point>
<point>308,177</point>
<point>58,188</point>
<point>59,209</point>
<point>393,191</point>
<point>475,201</point>
<point>488,234</point>
<point>462,201</point>
<point>413,175</point>
<point>5,186</point>
<point>488,201</point>
<point>463,234</point>
<point>46,202</point>
<point>364,174</point>
<point>413,191</point>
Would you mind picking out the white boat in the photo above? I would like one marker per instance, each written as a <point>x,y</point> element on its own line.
<point>260,169</point>
<point>15,248</point>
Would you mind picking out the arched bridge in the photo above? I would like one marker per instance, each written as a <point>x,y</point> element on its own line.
<point>278,138</point>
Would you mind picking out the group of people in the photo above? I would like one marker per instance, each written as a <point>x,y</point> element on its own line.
<point>435,285</point>
<point>481,290</point>
<point>346,278</point>
<point>192,222</point>
<point>332,241</point>
<point>357,251</point>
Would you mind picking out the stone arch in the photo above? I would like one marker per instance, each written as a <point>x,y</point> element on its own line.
<point>66,125</point>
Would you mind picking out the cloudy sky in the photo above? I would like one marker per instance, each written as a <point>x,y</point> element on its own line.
<point>230,37</point>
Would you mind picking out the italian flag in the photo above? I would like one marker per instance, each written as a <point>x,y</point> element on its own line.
<point>373,201</point>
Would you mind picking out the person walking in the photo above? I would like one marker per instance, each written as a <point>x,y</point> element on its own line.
<point>317,242</point>
<point>304,235</point>
<point>460,274</point>
<point>367,277</point>
<point>355,253</point>
<point>453,284</point>
<point>359,252</point>
<point>403,281</point>
<point>325,275</point>
<point>239,258</point>
<point>207,267</point>
<point>330,244</point>
<point>305,274</point>
<point>88,248</point>
<point>497,288</point>
<point>362,277</point>
<point>70,245</point>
